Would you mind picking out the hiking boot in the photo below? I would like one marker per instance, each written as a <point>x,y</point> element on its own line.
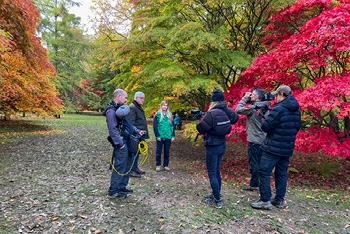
<point>211,201</point>
<point>158,168</point>
<point>278,204</point>
<point>126,191</point>
<point>117,195</point>
<point>135,174</point>
<point>137,170</point>
<point>209,196</point>
<point>167,168</point>
<point>250,188</point>
<point>262,205</point>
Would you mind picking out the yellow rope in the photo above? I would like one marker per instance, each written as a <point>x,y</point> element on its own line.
<point>142,150</point>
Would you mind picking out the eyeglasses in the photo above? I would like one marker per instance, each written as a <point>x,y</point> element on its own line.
<point>141,97</point>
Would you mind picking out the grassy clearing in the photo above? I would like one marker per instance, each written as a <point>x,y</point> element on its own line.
<point>56,182</point>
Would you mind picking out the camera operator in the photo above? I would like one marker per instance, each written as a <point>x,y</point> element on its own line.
<point>255,113</point>
<point>216,124</point>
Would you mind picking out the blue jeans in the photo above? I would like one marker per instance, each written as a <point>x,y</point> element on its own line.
<point>254,156</point>
<point>267,163</point>
<point>213,160</point>
<point>136,162</point>
<point>122,163</point>
<point>166,143</point>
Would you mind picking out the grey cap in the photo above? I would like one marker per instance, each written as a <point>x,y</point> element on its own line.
<point>283,89</point>
<point>122,111</point>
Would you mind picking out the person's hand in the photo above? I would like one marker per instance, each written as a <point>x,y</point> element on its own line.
<point>142,132</point>
<point>122,147</point>
<point>158,139</point>
<point>172,139</point>
<point>247,94</point>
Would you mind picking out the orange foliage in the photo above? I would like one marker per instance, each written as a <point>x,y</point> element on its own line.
<point>26,75</point>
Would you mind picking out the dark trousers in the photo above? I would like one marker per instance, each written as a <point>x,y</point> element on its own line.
<point>267,163</point>
<point>136,161</point>
<point>122,163</point>
<point>254,156</point>
<point>166,143</point>
<point>213,160</point>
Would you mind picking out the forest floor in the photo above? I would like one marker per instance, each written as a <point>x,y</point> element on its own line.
<point>54,177</point>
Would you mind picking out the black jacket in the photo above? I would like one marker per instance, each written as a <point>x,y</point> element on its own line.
<point>216,124</point>
<point>282,126</point>
<point>138,118</point>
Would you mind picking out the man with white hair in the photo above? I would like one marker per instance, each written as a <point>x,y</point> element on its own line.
<point>138,119</point>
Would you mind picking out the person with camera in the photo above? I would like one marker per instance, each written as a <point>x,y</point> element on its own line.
<point>138,118</point>
<point>119,128</point>
<point>165,134</point>
<point>281,127</point>
<point>255,112</point>
<point>215,125</point>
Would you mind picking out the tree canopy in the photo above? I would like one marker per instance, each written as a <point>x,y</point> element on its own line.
<point>26,75</point>
<point>308,49</point>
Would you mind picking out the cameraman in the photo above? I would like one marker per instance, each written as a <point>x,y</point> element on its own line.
<point>216,124</point>
<point>255,113</point>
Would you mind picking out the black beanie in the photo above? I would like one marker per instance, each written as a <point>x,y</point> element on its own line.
<point>217,96</point>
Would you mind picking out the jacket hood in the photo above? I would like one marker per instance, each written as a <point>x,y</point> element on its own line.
<point>110,105</point>
<point>290,103</point>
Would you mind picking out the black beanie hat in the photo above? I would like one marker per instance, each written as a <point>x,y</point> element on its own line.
<point>217,96</point>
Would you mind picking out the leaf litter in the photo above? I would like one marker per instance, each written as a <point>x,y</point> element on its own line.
<point>57,183</point>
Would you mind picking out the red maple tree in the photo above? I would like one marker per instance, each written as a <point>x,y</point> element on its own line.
<point>26,75</point>
<point>308,47</point>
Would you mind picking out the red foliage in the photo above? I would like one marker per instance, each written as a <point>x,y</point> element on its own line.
<point>309,51</point>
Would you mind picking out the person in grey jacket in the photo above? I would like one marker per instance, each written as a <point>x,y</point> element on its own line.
<point>138,118</point>
<point>281,125</point>
<point>255,135</point>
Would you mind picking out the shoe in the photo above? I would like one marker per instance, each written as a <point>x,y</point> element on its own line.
<point>126,191</point>
<point>158,168</point>
<point>278,204</point>
<point>262,205</point>
<point>211,201</point>
<point>135,174</point>
<point>118,195</point>
<point>250,188</point>
<point>139,171</point>
<point>209,196</point>
<point>167,168</point>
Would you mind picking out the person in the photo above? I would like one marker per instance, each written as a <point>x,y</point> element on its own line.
<point>177,121</point>
<point>138,118</point>
<point>119,122</point>
<point>164,133</point>
<point>215,125</point>
<point>255,135</point>
<point>281,127</point>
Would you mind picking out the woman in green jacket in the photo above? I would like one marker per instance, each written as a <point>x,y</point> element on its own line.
<point>165,134</point>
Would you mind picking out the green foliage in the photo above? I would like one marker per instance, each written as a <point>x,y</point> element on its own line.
<point>69,52</point>
<point>324,168</point>
<point>191,132</point>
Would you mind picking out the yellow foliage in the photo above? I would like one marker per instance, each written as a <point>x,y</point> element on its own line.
<point>135,69</point>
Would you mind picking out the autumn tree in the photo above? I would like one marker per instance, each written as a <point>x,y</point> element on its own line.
<point>69,51</point>
<point>26,75</point>
<point>184,50</point>
<point>308,49</point>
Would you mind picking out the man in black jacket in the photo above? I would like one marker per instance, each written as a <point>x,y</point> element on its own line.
<point>138,118</point>
<point>281,126</point>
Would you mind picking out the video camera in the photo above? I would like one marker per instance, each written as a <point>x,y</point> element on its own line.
<point>266,97</point>
<point>198,114</point>
<point>261,106</point>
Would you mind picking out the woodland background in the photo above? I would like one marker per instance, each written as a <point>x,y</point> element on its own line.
<point>180,51</point>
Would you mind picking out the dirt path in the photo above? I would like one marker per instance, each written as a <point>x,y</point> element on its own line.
<point>57,183</point>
